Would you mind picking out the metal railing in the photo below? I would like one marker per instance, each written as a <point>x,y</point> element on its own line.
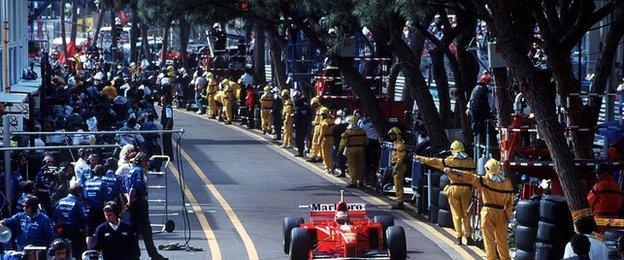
<point>6,127</point>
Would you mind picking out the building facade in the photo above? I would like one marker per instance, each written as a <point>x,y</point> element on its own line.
<point>16,13</point>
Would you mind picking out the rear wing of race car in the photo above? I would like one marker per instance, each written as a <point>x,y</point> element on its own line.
<point>315,207</point>
<point>329,209</point>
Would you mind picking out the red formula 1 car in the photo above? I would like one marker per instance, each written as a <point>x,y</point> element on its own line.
<point>343,231</point>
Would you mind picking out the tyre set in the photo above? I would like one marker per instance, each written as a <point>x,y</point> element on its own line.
<point>527,218</point>
<point>554,228</point>
<point>611,238</point>
<point>445,218</point>
<point>434,208</point>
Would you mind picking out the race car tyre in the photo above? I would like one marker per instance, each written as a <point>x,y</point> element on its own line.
<point>525,238</point>
<point>445,219</point>
<point>287,226</point>
<point>553,234</point>
<point>547,251</point>
<point>553,209</point>
<point>612,249</point>
<point>386,221</point>
<point>435,178</point>
<point>433,213</point>
<point>527,212</point>
<point>613,234</point>
<point>444,181</point>
<point>435,194</point>
<point>300,244</point>
<point>397,247</point>
<point>611,237</point>
<point>443,201</point>
<point>524,255</point>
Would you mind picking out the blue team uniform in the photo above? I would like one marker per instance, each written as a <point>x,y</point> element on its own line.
<point>14,185</point>
<point>37,230</point>
<point>70,216</point>
<point>115,185</point>
<point>95,192</point>
<point>138,181</point>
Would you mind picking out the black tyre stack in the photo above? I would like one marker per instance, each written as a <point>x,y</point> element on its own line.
<point>435,194</point>
<point>444,213</point>
<point>527,218</point>
<point>554,228</point>
<point>611,238</point>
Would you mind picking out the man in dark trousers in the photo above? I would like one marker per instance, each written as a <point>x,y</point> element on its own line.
<point>138,206</point>
<point>166,120</point>
<point>114,238</point>
<point>277,116</point>
<point>302,117</point>
<point>95,195</point>
<point>70,216</point>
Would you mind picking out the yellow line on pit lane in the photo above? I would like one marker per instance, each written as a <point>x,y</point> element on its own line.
<point>252,253</point>
<point>215,252</point>
<point>442,241</point>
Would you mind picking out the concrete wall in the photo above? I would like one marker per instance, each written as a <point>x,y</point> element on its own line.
<point>16,13</point>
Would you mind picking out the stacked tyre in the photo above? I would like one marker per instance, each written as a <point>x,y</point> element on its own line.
<point>444,210</point>
<point>611,238</point>
<point>435,194</point>
<point>527,218</point>
<point>554,228</point>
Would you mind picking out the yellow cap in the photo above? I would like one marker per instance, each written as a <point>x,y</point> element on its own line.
<point>315,100</point>
<point>285,92</point>
<point>208,75</point>
<point>457,147</point>
<point>395,130</point>
<point>352,120</point>
<point>170,68</point>
<point>492,167</point>
<point>267,88</point>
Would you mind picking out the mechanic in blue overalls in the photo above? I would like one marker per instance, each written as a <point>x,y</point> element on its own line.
<point>116,187</point>
<point>95,194</point>
<point>137,203</point>
<point>30,227</point>
<point>70,217</point>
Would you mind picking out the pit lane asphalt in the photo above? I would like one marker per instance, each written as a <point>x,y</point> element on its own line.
<point>261,186</point>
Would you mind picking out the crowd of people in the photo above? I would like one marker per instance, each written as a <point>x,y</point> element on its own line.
<point>90,201</point>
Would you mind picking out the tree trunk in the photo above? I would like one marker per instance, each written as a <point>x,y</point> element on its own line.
<point>395,69</point>
<point>441,79</point>
<point>98,25</point>
<point>134,34</point>
<point>258,54</point>
<point>114,42</point>
<point>63,32</point>
<point>502,97</point>
<point>277,63</point>
<point>74,27</point>
<point>145,42</point>
<point>604,66</point>
<point>409,57</point>
<point>185,30</point>
<point>165,43</point>
<point>362,90</point>
<point>534,86</point>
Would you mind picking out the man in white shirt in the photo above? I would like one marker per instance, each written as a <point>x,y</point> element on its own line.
<point>246,80</point>
<point>82,167</point>
<point>373,147</point>
<point>597,250</point>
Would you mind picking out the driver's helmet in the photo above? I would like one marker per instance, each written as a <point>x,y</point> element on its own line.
<point>342,217</point>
